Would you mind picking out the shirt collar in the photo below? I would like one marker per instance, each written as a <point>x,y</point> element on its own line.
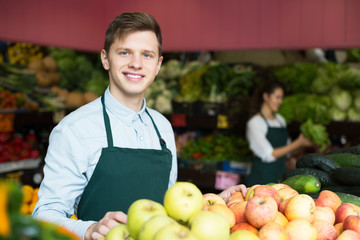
<point>125,114</point>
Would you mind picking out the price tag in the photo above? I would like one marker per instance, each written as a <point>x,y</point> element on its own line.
<point>178,120</point>
<point>225,180</point>
<point>7,122</point>
<point>222,121</point>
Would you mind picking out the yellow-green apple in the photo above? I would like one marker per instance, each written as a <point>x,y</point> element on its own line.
<point>325,214</point>
<point>265,190</point>
<point>206,225</point>
<point>244,226</point>
<point>250,192</point>
<point>272,230</point>
<point>174,231</point>
<point>139,212</point>
<point>119,232</point>
<point>243,235</point>
<point>339,228</point>
<point>235,198</point>
<point>325,230</point>
<point>300,229</point>
<point>279,186</point>
<point>349,235</point>
<point>329,199</point>
<point>260,210</point>
<point>352,222</point>
<point>239,211</point>
<point>281,219</point>
<point>225,211</point>
<point>211,199</point>
<point>344,210</point>
<point>285,195</point>
<point>300,206</point>
<point>151,226</point>
<point>182,200</point>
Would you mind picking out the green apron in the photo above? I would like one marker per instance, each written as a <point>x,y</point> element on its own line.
<point>123,175</point>
<point>262,172</point>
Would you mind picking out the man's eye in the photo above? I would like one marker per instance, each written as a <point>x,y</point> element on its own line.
<point>124,53</point>
<point>147,55</point>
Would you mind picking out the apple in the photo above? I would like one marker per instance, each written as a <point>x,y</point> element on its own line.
<point>349,235</point>
<point>300,229</point>
<point>325,230</point>
<point>279,186</point>
<point>174,231</point>
<point>265,190</point>
<point>235,198</point>
<point>344,210</point>
<point>139,212</point>
<point>225,211</point>
<point>211,199</point>
<point>329,199</point>
<point>339,228</point>
<point>239,211</point>
<point>119,232</point>
<point>151,226</point>
<point>352,222</point>
<point>206,225</point>
<point>300,206</point>
<point>182,200</point>
<point>243,235</point>
<point>244,226</point>
<point>272,230</point>
<point>261,210</point>
<point>285,195</point>
<point>325,214</point>
<point>281,219</point>
<point>250,192</point>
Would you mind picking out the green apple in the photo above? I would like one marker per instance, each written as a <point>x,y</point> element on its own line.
<point>139,212</point>
<point>182,200</point>
<point>174,231</point>
<point>208,225</point>
<point>119,232</point>
<point>151,226</point>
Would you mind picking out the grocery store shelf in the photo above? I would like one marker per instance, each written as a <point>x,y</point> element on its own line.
<point>19,165</point>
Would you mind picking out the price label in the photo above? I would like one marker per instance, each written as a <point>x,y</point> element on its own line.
<point>7,122</point>
<point>222,121</point>
<point>225,180</point>
<point>178,120</point>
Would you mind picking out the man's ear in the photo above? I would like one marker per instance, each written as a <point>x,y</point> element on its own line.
<point>105,59</point>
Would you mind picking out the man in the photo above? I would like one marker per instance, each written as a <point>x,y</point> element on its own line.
<point>114,150</point>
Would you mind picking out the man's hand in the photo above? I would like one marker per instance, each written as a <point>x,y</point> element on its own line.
<point>226,194</point>
<point>100,229</point>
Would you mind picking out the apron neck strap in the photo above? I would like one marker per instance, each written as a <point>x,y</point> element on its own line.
<point>162,141</point>
<point>107,123</point>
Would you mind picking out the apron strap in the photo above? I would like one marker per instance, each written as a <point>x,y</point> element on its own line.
<point>267,123</point>
<point>107,123</point>
<point>162,141</point>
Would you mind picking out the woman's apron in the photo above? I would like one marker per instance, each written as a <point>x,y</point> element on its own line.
<point>262,172</point>
<point>123,175</point>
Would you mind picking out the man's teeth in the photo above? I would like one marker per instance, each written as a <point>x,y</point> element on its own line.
<point>134,76</point>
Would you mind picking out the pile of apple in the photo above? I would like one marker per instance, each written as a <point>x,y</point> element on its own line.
<point>276,212</point>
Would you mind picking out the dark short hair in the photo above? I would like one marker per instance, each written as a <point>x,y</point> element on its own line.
<point>130,22</point>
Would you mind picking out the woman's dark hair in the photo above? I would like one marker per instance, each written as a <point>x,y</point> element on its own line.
<point>257,99</point>
<point>130,22</point>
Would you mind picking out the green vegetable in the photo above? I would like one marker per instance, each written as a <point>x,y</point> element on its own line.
<point>337,114</point>
<point>316,132</point>
<point>342,99</point>
<point>353,115</point>
<point>347,176</point>
<point>304,183</point>
<point>349,198</point>
<point>326,179</point>
<point>353,149</point>
<point>345,159</point>
<point>318,161</point>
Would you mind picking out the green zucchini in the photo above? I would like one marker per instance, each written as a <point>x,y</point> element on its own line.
<point>347,176</point>
<point>326,179</point>
<point>354,149</point>
<point>354,190</point>
<point>304,183</point>
<point>317,161</point>
<point>349,198</point>
<point>345,159</point>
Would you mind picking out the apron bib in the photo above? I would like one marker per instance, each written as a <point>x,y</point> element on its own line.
<point>262,172</point>
<point>124,175</point>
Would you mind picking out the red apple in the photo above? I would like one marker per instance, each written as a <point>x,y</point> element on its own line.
<point>212,199</point>
<point>265,190</point>
<point>301,206</point>
<point>239,211</point>
<point>261,210</point>
<point>352,222</point>
<point>225,211</point>
<point>285,195</point>
<point>300,229</point>
<point>244,226</point>
<point>281,219</point>
<point>279,186</point>
<point>325,214</point>
<point>272,230</point>
<point>235,198</point>
<point>339,228</point>
<point>349,235</point>
<point>329,199</point>
<point>345,210</point>
<point>325,230</point>
<point>250,192</point>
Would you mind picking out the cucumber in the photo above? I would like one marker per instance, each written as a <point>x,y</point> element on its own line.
<point>345,159</point>
<point>347,176</point>
<point>317,161</point>
<point>304,183</point>
<point>354,149</point>
<point>354,190</point>
<point>349,198</point>
<point>326,179</point>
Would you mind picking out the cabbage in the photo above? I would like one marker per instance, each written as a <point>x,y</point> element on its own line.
<point>337,115</point>
<point>316,133</point>
<point>357,101</point>
<point>341,98</point>
<point>353,115</point>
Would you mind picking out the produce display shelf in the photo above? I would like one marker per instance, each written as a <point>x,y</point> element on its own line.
<point>19,165</point>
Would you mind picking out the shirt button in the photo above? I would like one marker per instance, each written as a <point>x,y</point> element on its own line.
<point>141,138</point>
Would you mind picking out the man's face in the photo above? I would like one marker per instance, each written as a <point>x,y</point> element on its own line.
<point>133,63</point>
